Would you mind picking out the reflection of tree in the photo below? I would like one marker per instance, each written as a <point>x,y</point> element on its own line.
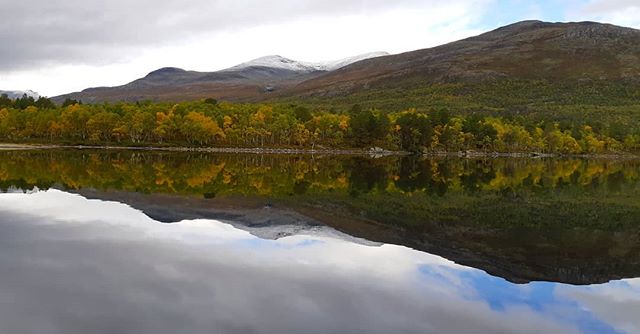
<point>413,175</point>
<point>477,174</point>
<point>366,175</point>
<point>300,187</point>
<point>272,175</point>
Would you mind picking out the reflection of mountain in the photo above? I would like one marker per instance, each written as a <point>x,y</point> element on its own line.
<point>580,257</point>
<point>253,215</point>
<point>520,255</point>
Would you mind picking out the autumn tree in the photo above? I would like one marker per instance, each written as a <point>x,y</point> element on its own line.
<point>200,129</point>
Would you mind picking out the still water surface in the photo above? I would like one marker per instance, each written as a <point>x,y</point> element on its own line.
<point>125,242</point>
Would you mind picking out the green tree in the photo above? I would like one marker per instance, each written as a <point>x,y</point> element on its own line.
<point>415,131</point>
<point>367,127</point>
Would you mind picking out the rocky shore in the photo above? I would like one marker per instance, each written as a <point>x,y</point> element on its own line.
<point>256,150</point>
<point>480,154</point>
<point>373,151</point>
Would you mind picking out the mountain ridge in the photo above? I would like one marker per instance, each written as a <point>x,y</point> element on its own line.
<point>527,50</point>
<point>246,80</point>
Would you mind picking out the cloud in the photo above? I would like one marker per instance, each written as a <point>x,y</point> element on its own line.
<point>619,12</point>
<point>100,32</point>
<point>600,6</point>
<point>617,303</point>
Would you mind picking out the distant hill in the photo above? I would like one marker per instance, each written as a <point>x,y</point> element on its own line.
<point>252,80</point>
<point>14,94</point>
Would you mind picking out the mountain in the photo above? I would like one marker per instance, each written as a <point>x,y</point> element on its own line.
<point>277,62</point>
<point>14,94</point>
<point>553,62</point>
<point>252,80</point>
<point>530,50</point>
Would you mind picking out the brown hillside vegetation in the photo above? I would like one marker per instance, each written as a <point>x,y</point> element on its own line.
<point>527,50</point>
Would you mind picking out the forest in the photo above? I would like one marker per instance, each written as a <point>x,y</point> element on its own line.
<point>575,129</point>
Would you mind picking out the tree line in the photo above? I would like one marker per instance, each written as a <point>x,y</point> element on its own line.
<point>221,124</point>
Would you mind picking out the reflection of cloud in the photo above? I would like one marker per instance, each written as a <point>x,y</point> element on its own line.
<point>106,268</point>
<point>540,297</point>
<point>617,303</point>
<point>633,282</point>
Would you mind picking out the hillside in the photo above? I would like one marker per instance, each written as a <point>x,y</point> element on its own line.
<point>529,50</point>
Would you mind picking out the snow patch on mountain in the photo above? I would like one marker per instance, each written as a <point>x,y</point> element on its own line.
<point>278,62</point>
<point>337,64</point>
<point>14,94</point>
<point>283,63</point>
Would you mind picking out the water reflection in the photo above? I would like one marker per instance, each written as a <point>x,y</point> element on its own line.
<point>575,221</point>
<point>105,267</point>
<point>211,175</point>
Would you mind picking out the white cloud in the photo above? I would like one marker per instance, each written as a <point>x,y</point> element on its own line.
<point>619,12</point>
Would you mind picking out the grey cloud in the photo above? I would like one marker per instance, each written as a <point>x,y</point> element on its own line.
<point>604,6</point>
<point>37,32</point>
<point>620,12</point>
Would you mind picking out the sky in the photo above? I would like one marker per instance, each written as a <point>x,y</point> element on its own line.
<point>59,46</point>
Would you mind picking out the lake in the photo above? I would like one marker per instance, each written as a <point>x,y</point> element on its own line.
<point>160,242</point>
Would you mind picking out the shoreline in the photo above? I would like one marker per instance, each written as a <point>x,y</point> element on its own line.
<point>530,155</point>
<point>255,150</point>
<point>374,152</point>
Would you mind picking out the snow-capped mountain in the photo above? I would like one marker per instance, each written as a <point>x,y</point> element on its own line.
<point>280,62</point>
<point>14,94</point>
<point>252,80</point>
